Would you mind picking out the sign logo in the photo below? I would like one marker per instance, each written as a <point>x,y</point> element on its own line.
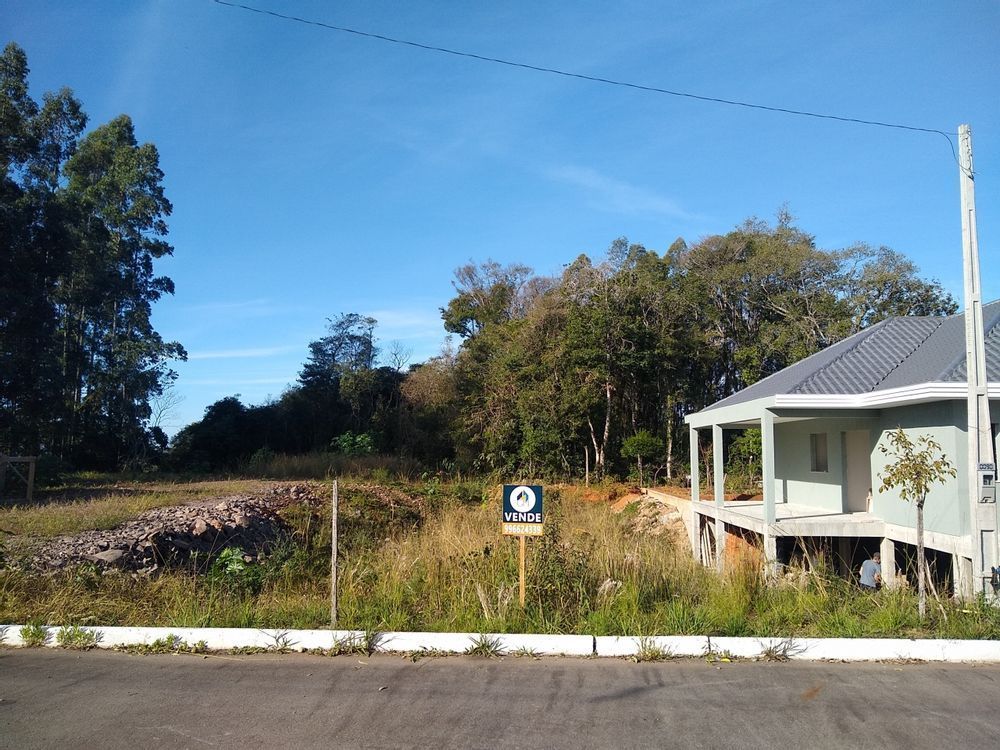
<point>522,510</point>
<point>522,499</point>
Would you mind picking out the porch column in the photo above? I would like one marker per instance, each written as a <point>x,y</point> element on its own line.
<point>888,552</point>
<point>695,496</point>
<point>719,484</point>
<point>767,451</point>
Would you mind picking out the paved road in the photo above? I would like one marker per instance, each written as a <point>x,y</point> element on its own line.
<point>104,700</point>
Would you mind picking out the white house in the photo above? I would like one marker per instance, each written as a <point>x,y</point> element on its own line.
<point>822,421</point>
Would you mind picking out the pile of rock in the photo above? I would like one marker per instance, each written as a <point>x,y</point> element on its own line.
<point>167,537</point>
<point>652,515</point>
<point>312,494</point>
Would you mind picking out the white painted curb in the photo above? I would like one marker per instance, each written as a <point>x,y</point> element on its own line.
<point>449,643</point>
<point>549,645</point>
<point>670,645</point>
<point>215,639</point>
<point>892,649</point>
<point>508,643</point>
<point>816,649</point>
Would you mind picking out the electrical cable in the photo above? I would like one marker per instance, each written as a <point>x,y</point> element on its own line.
<point>594,79</point>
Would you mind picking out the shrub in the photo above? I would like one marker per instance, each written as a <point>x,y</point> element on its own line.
<point>75,637</point>
<point>233,571</point>
<point>34,634</point>
<point>351,444</point>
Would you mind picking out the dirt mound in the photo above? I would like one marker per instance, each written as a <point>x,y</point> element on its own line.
<point>652,516</point>
<point>619,505</point>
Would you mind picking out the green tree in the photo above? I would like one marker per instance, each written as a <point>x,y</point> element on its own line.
<point>642,444</point>
<point>430,408</point>
<point>881,283</point>
<point>35,248</point>
<point>82,221</point>
<point>768,298</point>
<point>116,184</point>
<point>916,465</point>
<point>487,293</point>
<point>349,346</point>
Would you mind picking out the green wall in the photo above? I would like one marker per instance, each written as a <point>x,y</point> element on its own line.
<point>795,483</point>
<point>946,509</point>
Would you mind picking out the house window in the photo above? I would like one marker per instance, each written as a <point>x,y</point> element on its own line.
<point>817,452</point>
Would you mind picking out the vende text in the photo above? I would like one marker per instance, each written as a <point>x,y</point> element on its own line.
<point>515,517</point>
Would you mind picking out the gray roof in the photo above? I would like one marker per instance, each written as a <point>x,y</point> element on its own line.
<point>894,353</point>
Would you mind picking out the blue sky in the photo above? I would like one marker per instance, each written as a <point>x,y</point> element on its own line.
<point>315,172</point>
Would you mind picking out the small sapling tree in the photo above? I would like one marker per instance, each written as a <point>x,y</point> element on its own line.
<point>915,467</point>
<point>642,444</point>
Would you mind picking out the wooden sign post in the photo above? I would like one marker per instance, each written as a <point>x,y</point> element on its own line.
<point>520,568</point>
<point>522,517</point>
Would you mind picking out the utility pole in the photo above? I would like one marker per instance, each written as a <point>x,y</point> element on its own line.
<point>982,461</point>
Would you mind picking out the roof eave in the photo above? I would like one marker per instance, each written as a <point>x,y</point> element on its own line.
<point>750,411</point>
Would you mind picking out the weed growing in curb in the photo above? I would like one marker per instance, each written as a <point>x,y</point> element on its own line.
<point>360,644</point>
<point>423,653</point>
<point>34,635</point>
<point>782,650</point>
<point>526,651</point>
<point>170,644</point>
<point>281,642</point>
<point>3,634</point>
<point>650,650</point>
<point>76,637</point>
<point>484,645</point>
<point>718,657</point>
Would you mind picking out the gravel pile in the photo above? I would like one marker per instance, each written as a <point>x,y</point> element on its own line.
<point>168,537</point>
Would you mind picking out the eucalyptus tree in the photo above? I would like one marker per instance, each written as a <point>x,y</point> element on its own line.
<point>116,185</point>
<point>35,242</point>
<point>81,222</point>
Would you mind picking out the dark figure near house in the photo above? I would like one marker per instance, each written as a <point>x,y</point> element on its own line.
<point>871,573</point>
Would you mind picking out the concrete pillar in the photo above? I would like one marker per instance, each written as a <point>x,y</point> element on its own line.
<point>961,574</point>
<point>695,495</point>
<point>767,455</point>
<point>719,484</point>
<point>888,551</point>
<point>844,556</point>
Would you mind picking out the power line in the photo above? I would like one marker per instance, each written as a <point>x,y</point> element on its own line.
<point>594,79</point>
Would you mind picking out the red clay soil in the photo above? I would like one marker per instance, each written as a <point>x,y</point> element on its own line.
<point>685,494</point>
<point>739,551</point>
<point>623,502</point>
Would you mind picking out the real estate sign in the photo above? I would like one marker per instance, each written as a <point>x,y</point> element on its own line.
<point>522,510</point>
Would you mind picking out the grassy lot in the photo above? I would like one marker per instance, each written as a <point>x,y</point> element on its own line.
<point>427,555</point>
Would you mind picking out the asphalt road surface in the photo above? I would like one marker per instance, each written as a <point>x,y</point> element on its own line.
<point>51,698</point>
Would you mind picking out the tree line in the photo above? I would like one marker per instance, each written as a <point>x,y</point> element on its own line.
<point>82,221</point>
<point>597,366</point>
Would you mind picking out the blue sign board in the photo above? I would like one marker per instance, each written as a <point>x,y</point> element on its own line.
<point>522,510</point>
